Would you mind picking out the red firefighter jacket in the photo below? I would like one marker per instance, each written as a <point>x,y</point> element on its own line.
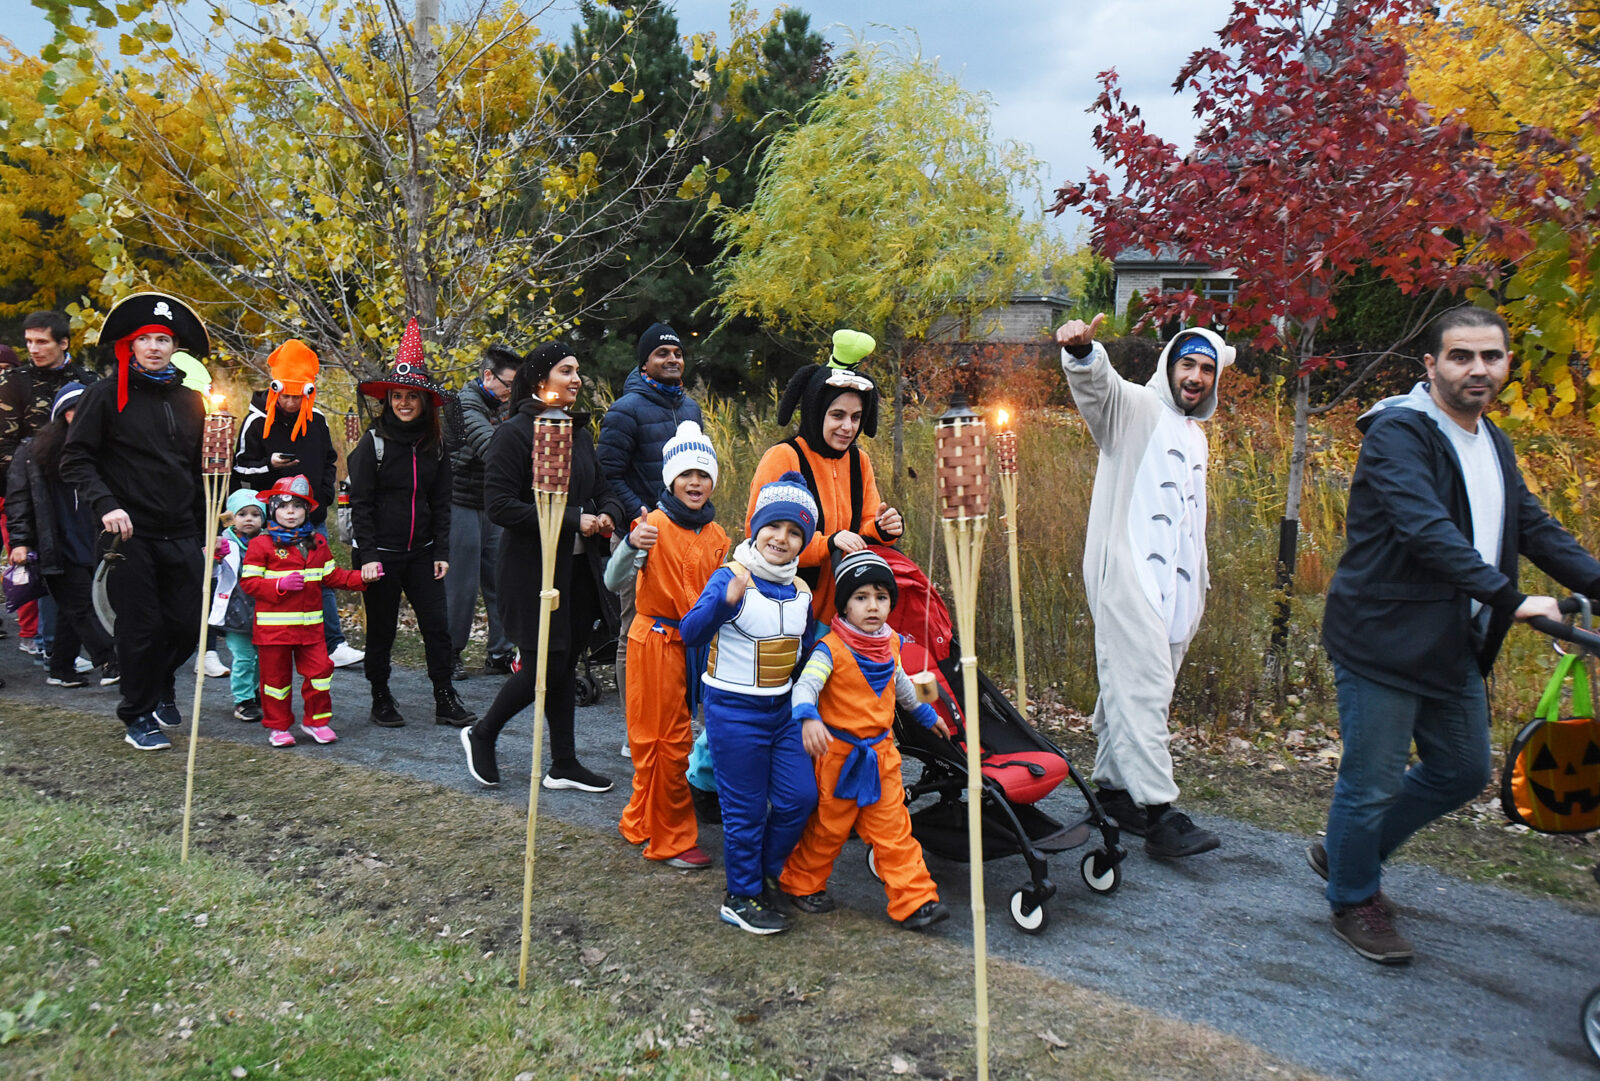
<point>293,618</point>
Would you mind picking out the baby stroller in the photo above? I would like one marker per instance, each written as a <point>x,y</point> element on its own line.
<point>1020,767</point>
<point>1564,754</point>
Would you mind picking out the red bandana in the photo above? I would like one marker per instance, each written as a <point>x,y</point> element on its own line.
<point>124,353</point>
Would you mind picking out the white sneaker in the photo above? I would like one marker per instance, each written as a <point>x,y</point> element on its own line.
<point>214,665</point>
<point>345,655</point>
<point>625,752</point>
<point>82,665</point>
<point>30,646</point>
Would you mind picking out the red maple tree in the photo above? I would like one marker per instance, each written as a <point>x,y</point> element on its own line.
<point>1313,159</point>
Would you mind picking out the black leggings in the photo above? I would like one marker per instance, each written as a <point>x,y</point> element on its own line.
<point>411,573</point>
<point>77,626</point>
<point>580,607</point>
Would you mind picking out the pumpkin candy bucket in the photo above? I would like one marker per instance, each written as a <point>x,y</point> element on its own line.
<point>1551,781</point>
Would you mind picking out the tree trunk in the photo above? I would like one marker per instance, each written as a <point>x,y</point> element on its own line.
<point>417,184</point>
<point>899,416</point>
<point>1289,526</point>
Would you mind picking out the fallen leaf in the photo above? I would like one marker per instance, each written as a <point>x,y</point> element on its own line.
<point>592,956</point>
<point>1052,1039</point>
<point>899,1065</point>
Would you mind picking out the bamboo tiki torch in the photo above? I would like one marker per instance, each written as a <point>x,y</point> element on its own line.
<point>1005,446</point>
<point>964,505</point>
<point>552,471</point>
<point>215,466</point>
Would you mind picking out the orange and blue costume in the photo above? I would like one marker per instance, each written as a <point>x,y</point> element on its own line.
<point>858,777</point>
<point>660,697</point>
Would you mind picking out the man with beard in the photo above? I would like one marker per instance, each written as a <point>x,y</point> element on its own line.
<point>1416,612</point>
<point>1144,564</point>
<point>632,435</point>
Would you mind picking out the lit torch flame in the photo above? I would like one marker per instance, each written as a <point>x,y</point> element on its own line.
<point>218,401</point>
<point>1004,418</point>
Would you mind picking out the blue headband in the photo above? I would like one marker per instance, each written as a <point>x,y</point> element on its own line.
<point>1196,344</point>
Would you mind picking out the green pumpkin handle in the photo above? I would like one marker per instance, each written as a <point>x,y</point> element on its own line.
<point>1549,707</point>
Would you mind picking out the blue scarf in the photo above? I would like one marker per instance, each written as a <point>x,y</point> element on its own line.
<point>858,777</point>
<point>165,375</point>
<point>679,511</point>
<point>283,536</point>
<point>675,391</point>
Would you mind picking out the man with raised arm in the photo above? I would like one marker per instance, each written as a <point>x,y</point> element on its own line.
<point>1144,564</point>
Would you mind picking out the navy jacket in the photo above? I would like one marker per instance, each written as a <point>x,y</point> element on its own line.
<point>632,433</point>
<point>1399,606</point>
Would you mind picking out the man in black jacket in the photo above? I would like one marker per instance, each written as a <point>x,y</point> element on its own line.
<point>133,453</point>
<point>283,436</point>
<point>470,420</point>
<point>1417,610</point>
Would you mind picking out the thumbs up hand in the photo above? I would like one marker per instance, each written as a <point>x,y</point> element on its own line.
<point>890,524</point>
<point>1077,332</point>
<point>644,534</point>
<point>740,583</point>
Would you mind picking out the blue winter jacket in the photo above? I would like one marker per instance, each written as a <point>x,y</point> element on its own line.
<point>632,433</point>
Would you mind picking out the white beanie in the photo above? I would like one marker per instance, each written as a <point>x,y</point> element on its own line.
<point>687,449</point>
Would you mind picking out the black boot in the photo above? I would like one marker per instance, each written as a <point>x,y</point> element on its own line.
<point>385,714</point>
<point>448,707</point>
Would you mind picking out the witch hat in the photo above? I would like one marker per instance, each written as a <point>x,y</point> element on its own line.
<point>410,370</point>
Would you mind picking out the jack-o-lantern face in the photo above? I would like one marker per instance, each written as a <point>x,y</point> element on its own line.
<point>1563,773</point>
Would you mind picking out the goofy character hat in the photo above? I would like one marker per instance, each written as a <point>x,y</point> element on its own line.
<point>410,371</point>
<point>294,370</point>
<point>150,313</point>
<point>814,387</point>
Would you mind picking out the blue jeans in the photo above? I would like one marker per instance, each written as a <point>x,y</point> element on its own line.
<point>1377,802</point>
<point>332,633</point>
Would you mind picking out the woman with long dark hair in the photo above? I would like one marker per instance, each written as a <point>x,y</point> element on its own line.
<point>548,377</point>
<point>48,520</point>
<point>400,521</point>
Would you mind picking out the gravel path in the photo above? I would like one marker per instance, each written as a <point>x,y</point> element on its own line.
<point>1237,939</point>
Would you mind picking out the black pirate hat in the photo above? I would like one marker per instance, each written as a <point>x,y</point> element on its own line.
<point>410,371</point>
<point>143,313</point>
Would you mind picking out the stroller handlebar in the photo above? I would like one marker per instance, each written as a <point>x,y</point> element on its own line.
<point>1588,641</point>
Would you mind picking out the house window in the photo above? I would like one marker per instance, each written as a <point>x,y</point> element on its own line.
<point>1222,290</point>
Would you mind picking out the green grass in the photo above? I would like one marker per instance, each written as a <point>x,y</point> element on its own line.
<point>123,963</point>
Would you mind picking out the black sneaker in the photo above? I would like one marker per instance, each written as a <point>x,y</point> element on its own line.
<point>814,903</point>
<point>1370,931</point>
<point>167,715</point>
<point>1116,803</point>
<point>449,709</point>
<point>1317,858</point>
<point>73,680</point>
<point>497,664</point>
<point>1175,835</point>
<point>385,714</point>
<point>929,914</point>
<point>110,674</point>
<point>145,734</point>
<point>248,710</point>
<point>458,671</point>
<point>571,774</point>
<point>480,760</point>
<point>751,914</point>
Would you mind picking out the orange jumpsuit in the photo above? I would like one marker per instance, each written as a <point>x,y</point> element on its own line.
<point>288,626</point>
<point>847,703</point>
<point>660,813</point>
<point>832,490</point>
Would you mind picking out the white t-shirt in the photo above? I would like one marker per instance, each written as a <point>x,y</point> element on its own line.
<point>1486,493</point>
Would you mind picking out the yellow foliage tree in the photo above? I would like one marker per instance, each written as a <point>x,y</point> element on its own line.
<point>1511,68</point>
<point>331,174</point>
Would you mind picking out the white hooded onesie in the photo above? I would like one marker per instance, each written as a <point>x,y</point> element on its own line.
<point>1144,557</point>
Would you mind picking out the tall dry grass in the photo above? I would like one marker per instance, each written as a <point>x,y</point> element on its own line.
<point>1225,682</point>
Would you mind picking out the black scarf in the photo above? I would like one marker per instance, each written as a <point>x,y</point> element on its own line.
<point>679,511</point>
<point>403,431</point>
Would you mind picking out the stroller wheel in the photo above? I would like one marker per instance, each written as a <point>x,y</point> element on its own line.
<point>1099,873</point>
<point>587,689</point>
<point>1591,1021</point>
<point>1030,916</point>
<point>872,864</point>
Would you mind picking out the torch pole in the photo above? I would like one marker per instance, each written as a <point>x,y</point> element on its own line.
<point>552,472</point>
<point>1006,449</point>
<point>964,506</point>
<point>216,462</point>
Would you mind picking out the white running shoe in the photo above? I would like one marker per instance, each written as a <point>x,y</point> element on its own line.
<point>214,665</point>
<point>345,655</point>
<point>82,665</point>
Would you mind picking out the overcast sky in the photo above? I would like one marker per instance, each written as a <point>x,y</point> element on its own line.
<point>1037,60</point>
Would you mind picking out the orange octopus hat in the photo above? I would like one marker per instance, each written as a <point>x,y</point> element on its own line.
<point>294,371</point>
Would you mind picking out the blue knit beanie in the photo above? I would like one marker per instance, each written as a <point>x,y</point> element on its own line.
<point>786,499</point>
